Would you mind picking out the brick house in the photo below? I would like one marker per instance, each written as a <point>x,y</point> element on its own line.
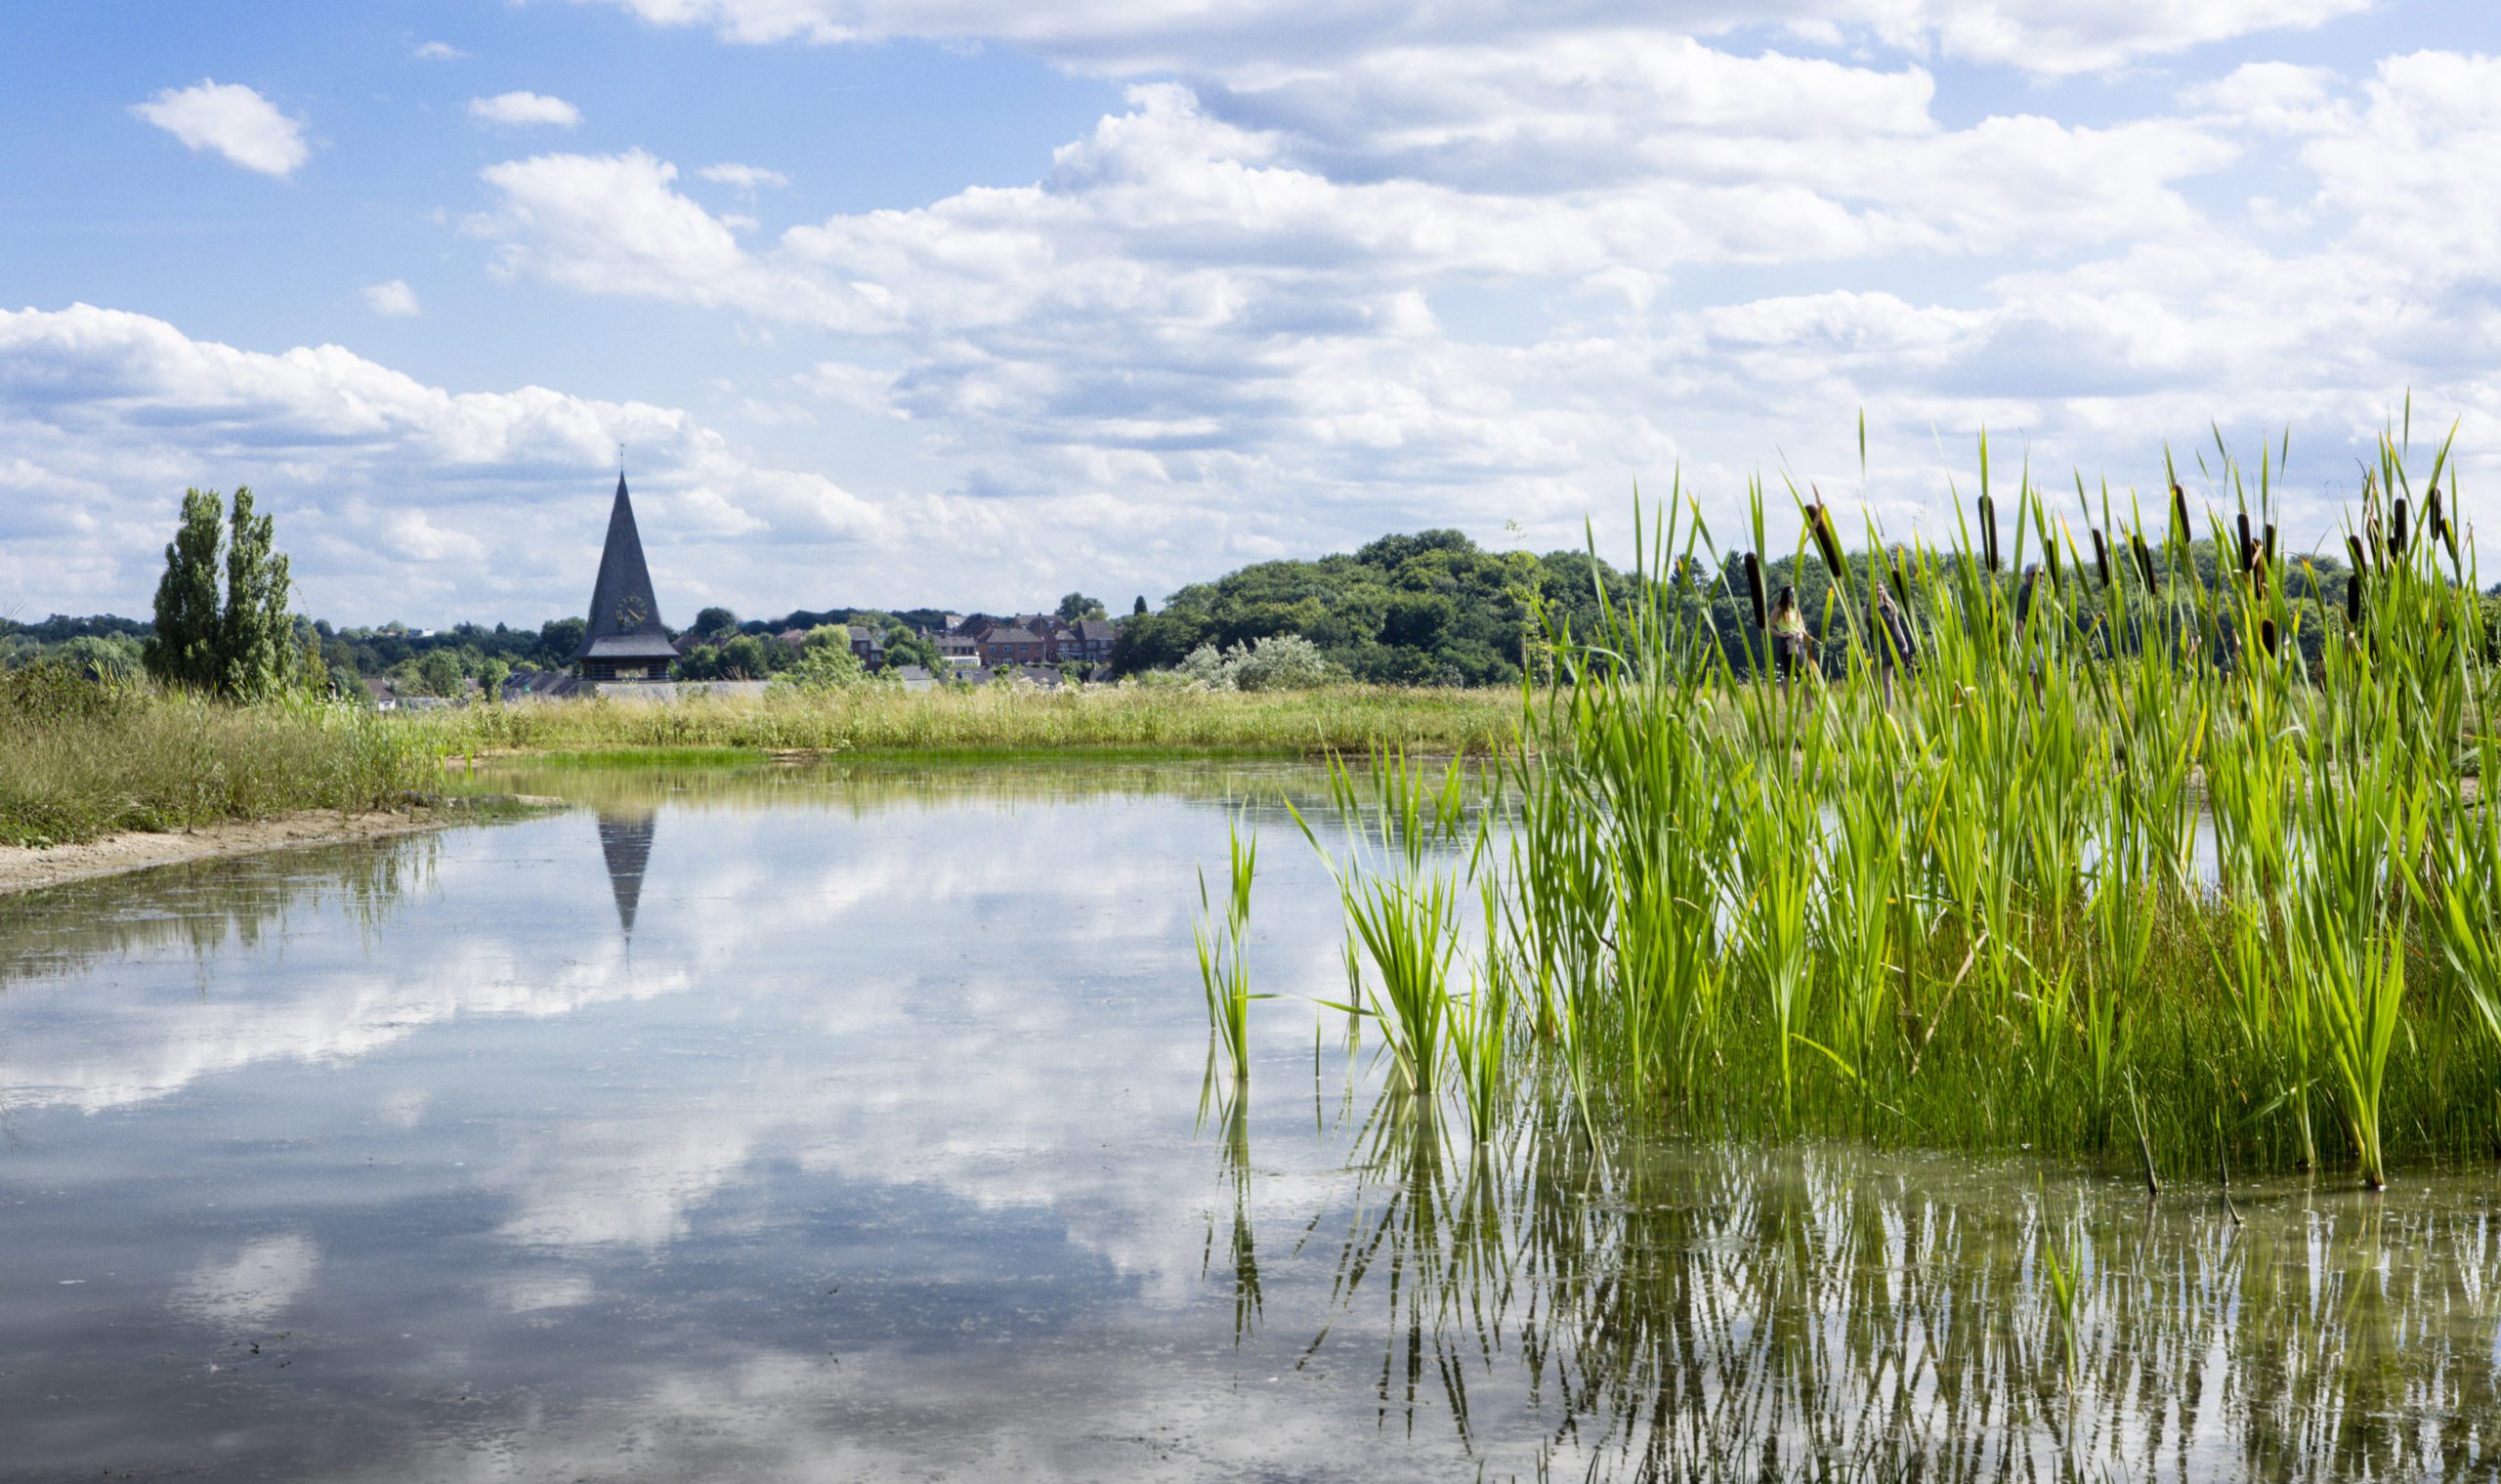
<point>1016,646</point>
<point>1089,640</point>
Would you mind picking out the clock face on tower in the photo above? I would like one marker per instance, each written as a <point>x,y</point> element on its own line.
<point>630,613</point>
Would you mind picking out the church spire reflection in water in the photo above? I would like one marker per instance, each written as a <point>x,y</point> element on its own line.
<point>626,839</point>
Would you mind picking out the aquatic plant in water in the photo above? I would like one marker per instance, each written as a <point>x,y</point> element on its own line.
<point>2162,851</point>
<point>1224,960</point>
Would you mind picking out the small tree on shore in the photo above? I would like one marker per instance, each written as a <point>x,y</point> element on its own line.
<point>241,642</point>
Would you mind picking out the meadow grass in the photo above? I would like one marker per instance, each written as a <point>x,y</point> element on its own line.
<point>998,719</point>
<point>78,761</point>
<point>2103,872</point>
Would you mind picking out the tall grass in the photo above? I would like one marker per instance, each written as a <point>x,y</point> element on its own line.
<point>2112,869</point>
<point>998,719</point>
<point>79,760</point>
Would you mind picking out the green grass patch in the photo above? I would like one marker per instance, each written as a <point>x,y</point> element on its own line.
<point>1132,721</point>
<point>83,760</point>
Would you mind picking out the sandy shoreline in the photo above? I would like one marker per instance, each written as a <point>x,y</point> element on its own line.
<point>25,869</point>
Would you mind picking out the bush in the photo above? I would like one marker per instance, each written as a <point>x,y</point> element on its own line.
<point>1279,663</point>
<point>824,667</point>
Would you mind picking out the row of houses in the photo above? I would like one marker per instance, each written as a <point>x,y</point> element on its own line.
<point>980,642</point>
<point>987,643</point>
<point>560,685</point>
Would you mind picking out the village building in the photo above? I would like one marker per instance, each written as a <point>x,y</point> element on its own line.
<point>1090,641</point>
<point>626,640</point>
<point>1014,645</point>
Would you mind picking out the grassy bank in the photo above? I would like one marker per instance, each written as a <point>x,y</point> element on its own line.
<point>79,761</point>
<point>1989,911</point>
<point>997,719</point>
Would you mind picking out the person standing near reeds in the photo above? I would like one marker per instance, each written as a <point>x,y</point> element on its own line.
<point>1790,640</point>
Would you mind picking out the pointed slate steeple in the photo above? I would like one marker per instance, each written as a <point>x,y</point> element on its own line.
<point>625,840</point>
<point>625,639</point>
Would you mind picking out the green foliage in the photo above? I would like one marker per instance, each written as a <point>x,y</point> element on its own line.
<point>186,649</point>
<point>439,674</point>
<point>100,656</point>
<point>256,637</point>
<point>904,646</point>
<point>826,664</point>
<point>1283,662</point>
<point>748,657</point>
<point>238,643</point>
<point>1428,609</point>
<point>1078,606</point>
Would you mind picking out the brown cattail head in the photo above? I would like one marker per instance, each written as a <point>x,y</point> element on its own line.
<point>1988,531</point>
<point>2144,560</point>
<point>2253,562</point>
<point>2436,520</point>
<point>2244,540</point>
<point>2266,635</point>
<point>2180,527</point>
<point>1754,591</point>
<point>1828,541</point>
<point>2269,543</point>
<point>2397,527</point>
<point>2102,556</point>
<point>2353,597</point>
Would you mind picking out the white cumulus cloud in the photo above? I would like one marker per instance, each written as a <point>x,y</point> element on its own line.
<point>525,109</point>
<point>233,120</point>
<point>393,300</point>
<point>743,177</point>
<point>2047,36</point>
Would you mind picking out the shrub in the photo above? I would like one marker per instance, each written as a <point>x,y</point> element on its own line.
<point>1279,663</point>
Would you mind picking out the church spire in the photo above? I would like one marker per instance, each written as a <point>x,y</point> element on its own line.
<point>625,639</point>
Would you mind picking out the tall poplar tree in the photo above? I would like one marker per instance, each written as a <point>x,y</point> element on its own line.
<point>238,642</point>
<point>256,644</point>
<point>185,650</point>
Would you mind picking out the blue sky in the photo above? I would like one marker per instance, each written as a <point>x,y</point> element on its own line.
<point>970,304</point>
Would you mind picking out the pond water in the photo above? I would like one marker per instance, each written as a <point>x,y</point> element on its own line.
<point>835,1123</point>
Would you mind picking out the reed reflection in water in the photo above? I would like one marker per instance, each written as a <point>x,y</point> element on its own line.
<point>1676,1310</point>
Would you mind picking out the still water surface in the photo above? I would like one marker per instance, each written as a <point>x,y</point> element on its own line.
<point>847,1123</point>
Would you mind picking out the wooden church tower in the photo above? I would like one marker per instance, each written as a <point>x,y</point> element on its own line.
<point>626,640</point>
